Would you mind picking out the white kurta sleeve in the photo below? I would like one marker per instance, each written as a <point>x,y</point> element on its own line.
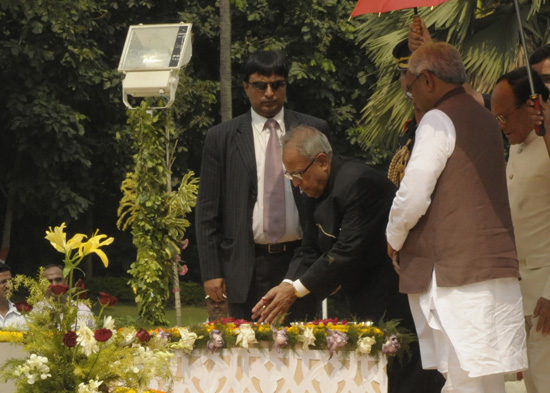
<point>434,144</point>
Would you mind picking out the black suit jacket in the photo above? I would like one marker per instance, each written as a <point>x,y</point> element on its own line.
<point>344,241</point>
<point>227,193</point>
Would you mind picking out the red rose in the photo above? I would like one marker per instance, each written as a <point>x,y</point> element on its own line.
<point>59,289</point>
<point>103,335</point>
<point>22,306</point>
<point>70,339</point>
<point>106,299</point>
<point>143,335</point>
<point>83,293</point>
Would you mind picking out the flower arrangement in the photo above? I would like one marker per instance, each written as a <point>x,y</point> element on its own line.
<point>329,335</point>
<point>69,352</point>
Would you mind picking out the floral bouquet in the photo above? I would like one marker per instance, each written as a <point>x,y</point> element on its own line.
<point>386,339</point>
<point>70,351</point>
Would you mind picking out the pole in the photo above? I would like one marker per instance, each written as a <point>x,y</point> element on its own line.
<point>540,130</point>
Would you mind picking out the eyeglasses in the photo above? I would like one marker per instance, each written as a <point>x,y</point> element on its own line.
<point>300,175</point>
<point>408,92</point>
<point>262,86</point>
<point>501,119</point>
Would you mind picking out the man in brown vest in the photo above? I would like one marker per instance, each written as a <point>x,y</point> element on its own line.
<point>450,233</point>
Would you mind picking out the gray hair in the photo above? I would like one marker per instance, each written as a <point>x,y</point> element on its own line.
<point>307,140</point>
<point>441,59</point>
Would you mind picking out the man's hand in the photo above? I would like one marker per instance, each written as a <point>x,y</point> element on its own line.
<point>394,255</point>
<point>418,34</point>
<point>215,289</point>
<point>275,303</point>
<point>542,310</point>
<point>538,117</point>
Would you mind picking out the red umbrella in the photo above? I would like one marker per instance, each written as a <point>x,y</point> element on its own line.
<point>378,6</point>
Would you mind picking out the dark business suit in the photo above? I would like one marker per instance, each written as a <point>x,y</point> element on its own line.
<point>227,193</point>
<point>344,244</point>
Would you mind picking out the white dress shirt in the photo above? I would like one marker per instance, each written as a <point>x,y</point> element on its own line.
<point>13,318</point>
<point>261,137</point>
<point>434,144</point>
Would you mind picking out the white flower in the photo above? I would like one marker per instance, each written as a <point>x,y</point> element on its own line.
<point>34,368</point>
<point>91,387</point>
<point>186,341</point>
<point>87,340</point>
<point>109,323</point>
<point>364,345</point>
<point>307,338</point>
<point>246,336</point>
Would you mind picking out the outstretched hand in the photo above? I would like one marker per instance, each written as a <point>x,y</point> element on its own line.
<point>274,305</point>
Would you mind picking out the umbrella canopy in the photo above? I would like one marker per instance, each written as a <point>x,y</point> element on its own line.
<point>378,6</point>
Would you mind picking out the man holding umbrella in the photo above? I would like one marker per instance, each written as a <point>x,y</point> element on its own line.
<point>528,179</point>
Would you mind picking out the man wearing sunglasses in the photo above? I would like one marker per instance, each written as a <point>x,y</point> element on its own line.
<point>247,218</point>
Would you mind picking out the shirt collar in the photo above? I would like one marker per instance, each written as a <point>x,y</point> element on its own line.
<point>259,121</point>
<point>530,138</point>
<point>12,309</point>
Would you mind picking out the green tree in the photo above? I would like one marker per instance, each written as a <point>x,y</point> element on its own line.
<point>51,63</point>
<point>155,214</point>
<point>484,31</point>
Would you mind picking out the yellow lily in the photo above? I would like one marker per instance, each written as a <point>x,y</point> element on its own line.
<point>75,242</point>
<point>57,238</point>
<point>93,246</point>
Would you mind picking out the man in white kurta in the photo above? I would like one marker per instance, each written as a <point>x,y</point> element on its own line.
<point>472,332</point>
<point>528,179</point>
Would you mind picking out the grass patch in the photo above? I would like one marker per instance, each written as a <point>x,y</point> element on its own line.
<point>126,314</point>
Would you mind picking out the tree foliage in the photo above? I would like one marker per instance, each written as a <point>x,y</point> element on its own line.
<point>62,111</point>
<point>484,31</point>
<point>156,215</point>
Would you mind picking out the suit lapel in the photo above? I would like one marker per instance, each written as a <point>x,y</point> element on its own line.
<point>244,141</point>
<point>290,119</point>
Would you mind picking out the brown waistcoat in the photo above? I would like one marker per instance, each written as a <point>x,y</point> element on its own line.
<point>466,233</point>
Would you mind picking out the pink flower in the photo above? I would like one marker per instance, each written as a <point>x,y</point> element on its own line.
<point>216,341</point>
<point>280,338</point>
<point>185,244</point>
<point>182,270</point>
<point>391,346</point>
<point>106,299</point>
<point>335,339</point>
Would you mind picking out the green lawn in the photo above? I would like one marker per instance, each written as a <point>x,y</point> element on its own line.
<point>126,314</point>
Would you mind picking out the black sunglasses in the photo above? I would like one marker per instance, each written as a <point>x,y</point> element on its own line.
<point>276,85</point>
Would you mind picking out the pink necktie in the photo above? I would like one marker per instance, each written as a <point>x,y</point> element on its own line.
<point>274,186</point>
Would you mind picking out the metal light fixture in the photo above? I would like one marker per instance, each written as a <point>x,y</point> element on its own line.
<point>151,60</point>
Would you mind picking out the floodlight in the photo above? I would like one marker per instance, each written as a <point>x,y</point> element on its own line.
<point>151,60</point>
